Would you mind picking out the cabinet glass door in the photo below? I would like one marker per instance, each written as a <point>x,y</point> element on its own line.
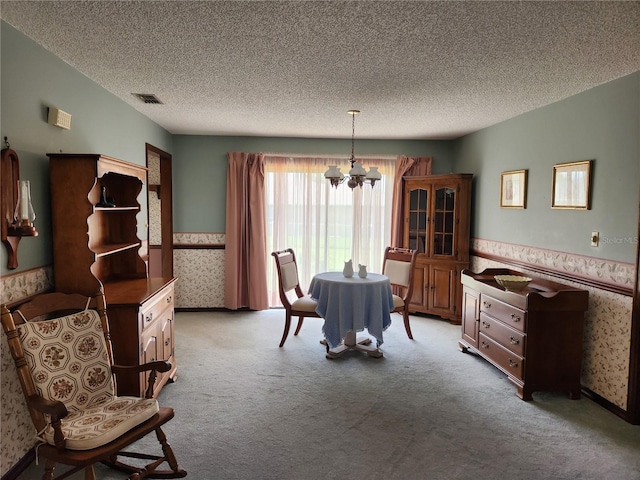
<point>418,219</point>
<point>444,220</point>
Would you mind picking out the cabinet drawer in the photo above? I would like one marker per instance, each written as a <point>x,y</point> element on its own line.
<point>508,314</point>
<point>503,358</point>
<point>506,336</point>
<point>152,309</point>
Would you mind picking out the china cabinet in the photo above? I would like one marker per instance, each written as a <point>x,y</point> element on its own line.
<point>534,335</point>
<point>436,223</point>
<point>96,218</point>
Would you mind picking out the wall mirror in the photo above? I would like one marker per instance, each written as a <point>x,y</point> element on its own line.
<point>572,185</point>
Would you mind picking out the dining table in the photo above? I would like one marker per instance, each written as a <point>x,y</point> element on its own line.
<point>350,305</point>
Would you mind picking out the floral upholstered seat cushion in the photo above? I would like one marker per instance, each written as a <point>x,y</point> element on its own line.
<point>69,362</point>
<point>101,424</point>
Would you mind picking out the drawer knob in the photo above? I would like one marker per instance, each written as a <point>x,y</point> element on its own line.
<point>485,345</point>
<point>167,342</point>
<point>513,364</point>
<point>485,324</point>
<point>514,341</point>
<point>515,318</point>
<point>149,317</point>
<point>486,304</point>
<point>169,299</point>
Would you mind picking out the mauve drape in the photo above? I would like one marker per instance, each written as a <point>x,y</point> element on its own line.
<point>245,283</point>
<point>405,166</point>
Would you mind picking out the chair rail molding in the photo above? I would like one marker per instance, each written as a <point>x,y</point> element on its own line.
<point>616,277</point>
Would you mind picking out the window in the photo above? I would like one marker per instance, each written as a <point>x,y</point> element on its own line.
<point>325,226</point>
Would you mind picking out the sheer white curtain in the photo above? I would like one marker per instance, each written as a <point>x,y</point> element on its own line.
<point>325,226</point>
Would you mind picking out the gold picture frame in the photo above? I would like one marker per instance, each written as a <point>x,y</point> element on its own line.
<point>572,185</point>
<point>513,189</point>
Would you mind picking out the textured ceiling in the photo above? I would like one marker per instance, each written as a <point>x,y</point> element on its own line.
<point>421,70</point>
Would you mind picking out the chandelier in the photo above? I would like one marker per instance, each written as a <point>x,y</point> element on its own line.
<point>357,176</point>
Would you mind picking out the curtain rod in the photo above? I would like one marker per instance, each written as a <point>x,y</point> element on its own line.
<point>328,156</point>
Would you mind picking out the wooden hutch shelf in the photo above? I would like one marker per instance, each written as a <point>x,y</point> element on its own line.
<point>96,246</point>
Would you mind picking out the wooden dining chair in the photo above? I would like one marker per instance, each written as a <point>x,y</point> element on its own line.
<point>61,347</point>
<point>300,305</point>
<point>399,265</point>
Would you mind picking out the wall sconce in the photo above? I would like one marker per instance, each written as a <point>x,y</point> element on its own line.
<point>17,211</point>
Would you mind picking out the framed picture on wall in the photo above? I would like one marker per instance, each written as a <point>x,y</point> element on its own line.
<point>572,185</point>
<point>513,189</point>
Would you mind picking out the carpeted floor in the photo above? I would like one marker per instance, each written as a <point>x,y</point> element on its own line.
<point>246,409</point>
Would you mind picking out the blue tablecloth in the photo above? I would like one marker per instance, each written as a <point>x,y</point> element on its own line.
<point>352,304</point>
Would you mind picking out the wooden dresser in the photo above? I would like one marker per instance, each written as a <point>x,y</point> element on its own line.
<point>534,336</point>
<point>97,244</point>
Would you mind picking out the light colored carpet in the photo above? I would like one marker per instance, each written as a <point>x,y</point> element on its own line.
<point>246,409</point>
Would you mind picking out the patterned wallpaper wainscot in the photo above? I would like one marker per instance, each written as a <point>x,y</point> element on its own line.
<point>198,263</point>
<point>17,430</point>
<point>607,333</point>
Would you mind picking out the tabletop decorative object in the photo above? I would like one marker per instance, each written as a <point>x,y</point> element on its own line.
<point>512,283</point>
<point>362,273</point>
<point>105,202</point>
<point>348,269</point>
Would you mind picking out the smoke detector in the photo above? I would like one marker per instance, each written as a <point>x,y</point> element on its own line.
<point>59,118</point>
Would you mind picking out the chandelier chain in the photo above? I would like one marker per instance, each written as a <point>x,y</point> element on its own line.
<point>353,135</point>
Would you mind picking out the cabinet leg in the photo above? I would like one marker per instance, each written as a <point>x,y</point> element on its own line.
<point>524,394</point>
<point>575,393</point>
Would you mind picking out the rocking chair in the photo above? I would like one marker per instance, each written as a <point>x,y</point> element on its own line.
<point>61,346</point>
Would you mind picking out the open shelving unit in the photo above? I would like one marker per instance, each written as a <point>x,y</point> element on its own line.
<point>97,246</point>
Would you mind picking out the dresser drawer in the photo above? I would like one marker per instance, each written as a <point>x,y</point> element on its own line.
<point>505,359</point>
<point>152,309</point>
<point>508,314</point>
<point>506,336</point>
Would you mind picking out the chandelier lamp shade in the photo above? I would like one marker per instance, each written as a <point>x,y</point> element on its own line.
<point>358,175</point>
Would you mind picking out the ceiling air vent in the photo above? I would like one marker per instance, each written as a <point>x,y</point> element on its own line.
<point>148,98</point>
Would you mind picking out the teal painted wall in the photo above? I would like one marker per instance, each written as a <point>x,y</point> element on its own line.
<point>32,79</point>
<point>601,124</point>
<point>200,168</point>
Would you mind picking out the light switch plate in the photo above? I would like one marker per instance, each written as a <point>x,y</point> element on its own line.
<point>595,239</point>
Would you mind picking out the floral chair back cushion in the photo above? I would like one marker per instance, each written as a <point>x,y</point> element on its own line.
<point>68,359</point>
